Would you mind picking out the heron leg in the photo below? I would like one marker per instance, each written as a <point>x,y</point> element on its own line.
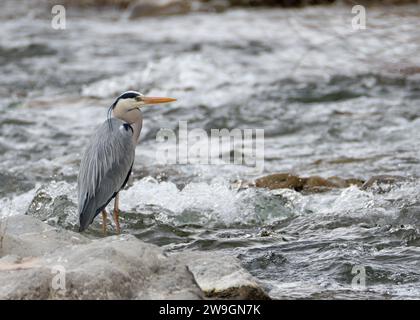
<point>117,213</point>
<point>104,218</point>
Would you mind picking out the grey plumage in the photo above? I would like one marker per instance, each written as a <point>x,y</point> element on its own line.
<point>108,159</point>
<point>104,169</point>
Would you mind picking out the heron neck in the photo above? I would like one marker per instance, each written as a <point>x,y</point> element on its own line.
<point>137,128</point>
<point>133,117</point>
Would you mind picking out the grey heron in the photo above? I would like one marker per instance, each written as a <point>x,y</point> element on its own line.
<point>108,159</point>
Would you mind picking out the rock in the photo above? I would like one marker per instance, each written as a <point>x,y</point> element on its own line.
<point>318,182</point>
<point>25,284</point>
<point>28,237</point>
<point>345,183</point>
<point>34,255</point>
<point>38,261</point>
<point>382,183</point>
<point>147,8</point>
<point>280,181</point>
<point>306,184</point>
<point>222,276</point>
<point>53,205</point>
<point>212,5</point>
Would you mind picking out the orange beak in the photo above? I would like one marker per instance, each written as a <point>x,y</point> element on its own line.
<point>156,100</point>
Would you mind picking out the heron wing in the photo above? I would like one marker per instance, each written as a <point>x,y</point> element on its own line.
<point>104,169</point>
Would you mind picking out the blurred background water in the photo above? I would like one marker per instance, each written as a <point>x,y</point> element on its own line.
<point>333,101</point>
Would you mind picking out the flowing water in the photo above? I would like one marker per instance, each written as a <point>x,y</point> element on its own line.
<point>333,101</point>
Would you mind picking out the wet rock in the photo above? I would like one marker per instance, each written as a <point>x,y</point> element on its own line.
<point>222,276</point>
<point>38,261</point>
<point>147,8</point>
<point>280,181</point>
<point>265,233</point>
<point>382,183</point>
<point>54,205</point>
<point>317,183</point>
<point>345,183</point>
<point>212,5</point>
<point>307,184</point>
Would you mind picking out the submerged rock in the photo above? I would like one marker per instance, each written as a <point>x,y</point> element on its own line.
<point>308,184</point>
<point>147,8</point>
<point>222,276</point>
<point>382,183</point>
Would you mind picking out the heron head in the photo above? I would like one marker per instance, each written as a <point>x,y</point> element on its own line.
<point>127,106</point>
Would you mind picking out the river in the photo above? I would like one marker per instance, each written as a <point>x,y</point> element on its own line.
<point>333,101</point>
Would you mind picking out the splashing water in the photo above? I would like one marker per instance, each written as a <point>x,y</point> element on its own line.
<point>332,102</point>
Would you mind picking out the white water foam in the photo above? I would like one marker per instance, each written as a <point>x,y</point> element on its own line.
<point>17,204</point>
<point>216,200</point>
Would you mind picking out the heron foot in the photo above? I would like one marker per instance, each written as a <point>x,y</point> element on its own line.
<point>117,221</point>
<point>117,213</point>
